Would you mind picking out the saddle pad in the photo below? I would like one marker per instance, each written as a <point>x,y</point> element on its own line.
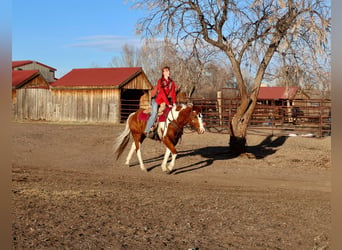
<point>162,117</point>
<point>143,116</point>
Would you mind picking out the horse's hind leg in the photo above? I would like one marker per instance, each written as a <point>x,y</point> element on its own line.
<point>130,153</point>
<point>135,146</point>
<point>142,167</point>
<point>137,142</point>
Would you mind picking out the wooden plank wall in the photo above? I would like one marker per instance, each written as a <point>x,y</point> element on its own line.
<point>100,105</point>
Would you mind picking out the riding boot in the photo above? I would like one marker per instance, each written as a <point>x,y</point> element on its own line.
<point>150,134</point>
<point>153,134</point>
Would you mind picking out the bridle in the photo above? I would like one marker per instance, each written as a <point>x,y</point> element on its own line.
<point>176,125</point>
<point>193,130</point>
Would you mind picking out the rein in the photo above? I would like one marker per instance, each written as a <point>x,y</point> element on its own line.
<point>176,125</point>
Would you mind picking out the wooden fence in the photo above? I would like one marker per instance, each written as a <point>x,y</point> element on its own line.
<point>307,117</point>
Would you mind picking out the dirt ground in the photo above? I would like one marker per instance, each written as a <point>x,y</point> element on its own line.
<point>70,193</point>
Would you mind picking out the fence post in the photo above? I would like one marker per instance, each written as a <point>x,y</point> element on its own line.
<point>320,118</point>
<point>272,118</point>
<point>219,104</point>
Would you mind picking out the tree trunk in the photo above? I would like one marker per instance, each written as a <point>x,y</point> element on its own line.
<point>237,145</point>
<point>239,124</point>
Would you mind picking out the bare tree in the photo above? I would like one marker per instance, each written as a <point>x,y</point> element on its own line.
<point>155,54</point>
<point>192,67</point>
<point>189,68</point>
<point>307,73</point>
<point>249,33</point>
<point>214,78</point>
<point>130,57</point>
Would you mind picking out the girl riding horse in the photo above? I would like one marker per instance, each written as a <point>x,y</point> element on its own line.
<point>163,91</point>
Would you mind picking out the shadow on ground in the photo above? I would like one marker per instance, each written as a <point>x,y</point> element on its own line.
<point>216,153</point>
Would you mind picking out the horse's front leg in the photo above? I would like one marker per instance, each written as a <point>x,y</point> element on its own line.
<point>172,163</point>
<point>166,157</point>
<point>170,149</point>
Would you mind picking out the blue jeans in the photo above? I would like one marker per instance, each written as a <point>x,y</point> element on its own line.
<point>153,115</point>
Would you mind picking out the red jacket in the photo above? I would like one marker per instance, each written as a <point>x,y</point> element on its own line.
<point>163,90</point>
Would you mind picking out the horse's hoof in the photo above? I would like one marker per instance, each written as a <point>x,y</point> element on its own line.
<point>144,169</point>
<point>166,171</point>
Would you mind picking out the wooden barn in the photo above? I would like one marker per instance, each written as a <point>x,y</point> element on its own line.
<point>277,96</point>
<point>295,96</point>
<point>22,79</point>
<point>99,94</point>
<point>46,71</point>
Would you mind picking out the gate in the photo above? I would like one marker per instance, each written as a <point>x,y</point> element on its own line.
<point>310,118</point>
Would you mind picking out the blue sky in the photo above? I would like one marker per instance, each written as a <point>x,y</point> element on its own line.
<point>68,34</point>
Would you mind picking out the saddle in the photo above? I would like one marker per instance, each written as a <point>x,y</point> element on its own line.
<point>161,117</point>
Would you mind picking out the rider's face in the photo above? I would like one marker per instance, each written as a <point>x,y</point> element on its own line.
<point>166,73</point>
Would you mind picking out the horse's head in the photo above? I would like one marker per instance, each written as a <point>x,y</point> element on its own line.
<point>196,121</point>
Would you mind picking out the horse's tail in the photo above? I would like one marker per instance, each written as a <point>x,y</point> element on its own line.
<point>123,139</point>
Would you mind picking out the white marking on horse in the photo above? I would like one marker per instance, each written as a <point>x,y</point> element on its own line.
<point>166,157</point>
<point>173,115</point>
<point>142,167</point>
<point>161,129</point>
<point>202,129</point>
<point>129,156</point>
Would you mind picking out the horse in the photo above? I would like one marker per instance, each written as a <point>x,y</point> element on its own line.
<point>168,131</point>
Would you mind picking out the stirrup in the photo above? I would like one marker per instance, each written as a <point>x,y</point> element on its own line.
<point>150,134</point>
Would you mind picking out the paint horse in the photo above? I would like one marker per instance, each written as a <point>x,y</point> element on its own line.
<point>169,132</point>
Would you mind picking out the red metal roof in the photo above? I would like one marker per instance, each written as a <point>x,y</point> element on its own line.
<point>19,77</point>
<point>25,62</point>
<point>95,77</point>
<point>20,63</point>
<point>276,93</point>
